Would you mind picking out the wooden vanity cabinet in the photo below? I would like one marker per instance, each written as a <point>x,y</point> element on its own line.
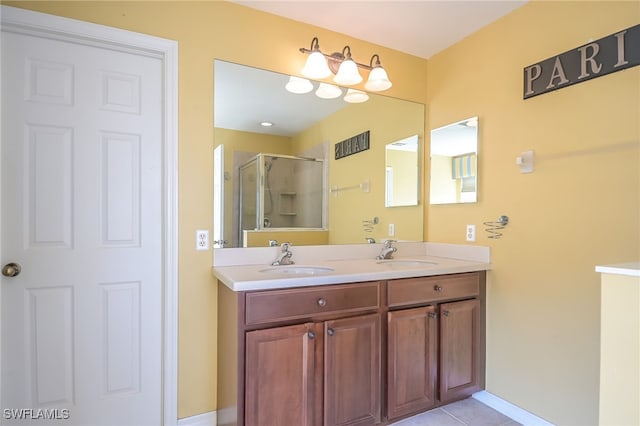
<point>282,370</point>
<point>303,356</point>
<point>315,356</point>
<point>412,360</point>
<point>435,351</point>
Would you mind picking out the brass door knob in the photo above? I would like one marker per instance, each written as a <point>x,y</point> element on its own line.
<point>11,269</point>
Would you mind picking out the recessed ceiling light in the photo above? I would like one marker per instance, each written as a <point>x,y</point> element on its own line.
<point>266,124</point>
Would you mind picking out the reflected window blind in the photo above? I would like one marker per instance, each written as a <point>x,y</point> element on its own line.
<point>463,166</point>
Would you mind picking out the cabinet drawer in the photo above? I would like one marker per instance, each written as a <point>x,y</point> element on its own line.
<point>412,291</point>
<point>279,305</point>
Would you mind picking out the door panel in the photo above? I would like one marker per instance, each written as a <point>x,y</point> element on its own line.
<point>459,342</point>
<point>282,375</point>
<point>412,360</point>
<point>352,371</point>
<point>82,213</point>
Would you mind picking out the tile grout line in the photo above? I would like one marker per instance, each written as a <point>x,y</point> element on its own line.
<point>459,420</point>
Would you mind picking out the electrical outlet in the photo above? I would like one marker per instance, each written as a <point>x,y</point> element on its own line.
<point>392,230</point>
<point>471,232</point>
<point>202,239</point>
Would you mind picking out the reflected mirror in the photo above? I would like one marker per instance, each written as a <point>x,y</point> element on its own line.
<point>454,163</point>
<point>306,126</point>
<point>402,172</point>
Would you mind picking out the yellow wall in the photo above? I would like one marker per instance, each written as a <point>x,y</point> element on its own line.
<point>296,238</point>
<point>405,174</point>
<point>208,30</point>
<point>348,208</point>
<point>578,209</point>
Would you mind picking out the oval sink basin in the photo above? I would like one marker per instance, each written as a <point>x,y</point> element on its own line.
<point>405,263</point>
<point>298,270</point>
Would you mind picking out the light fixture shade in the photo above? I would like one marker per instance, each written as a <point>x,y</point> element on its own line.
<point>298,85</point>
<point>328,91</point>
<point>316,66</point>
<point>348,74</point>
<point>378,80</point>
<point>354,96</point>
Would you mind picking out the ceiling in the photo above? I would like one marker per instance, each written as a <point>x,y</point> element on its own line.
<point>244,97</point>
<point>420,27</point>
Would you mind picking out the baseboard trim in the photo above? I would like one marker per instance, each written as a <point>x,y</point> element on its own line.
<point>508,409</point>
<point>204,419</point>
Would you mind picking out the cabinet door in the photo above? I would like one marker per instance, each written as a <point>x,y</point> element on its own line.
<point>352,371</point>
<point>459,346</point>
<point>282,372</point>
<point>412,359</point>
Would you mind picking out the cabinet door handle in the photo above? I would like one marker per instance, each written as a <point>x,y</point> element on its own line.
<point>437,288</point>
<point>322,302</point>
<point>432,315</point>
<point>445,313</point>
<point>311,335</point>
<point>331,331</point>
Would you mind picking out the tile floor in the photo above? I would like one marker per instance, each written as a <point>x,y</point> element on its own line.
<point>468,412</point>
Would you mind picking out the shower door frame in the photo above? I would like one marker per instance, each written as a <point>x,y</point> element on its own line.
<point>259,219</point>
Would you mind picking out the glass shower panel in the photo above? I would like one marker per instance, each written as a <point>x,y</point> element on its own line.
<point>249,190</point>
<point>281,192</point>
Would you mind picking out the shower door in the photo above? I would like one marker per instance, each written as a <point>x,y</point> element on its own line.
<point>281,192</point>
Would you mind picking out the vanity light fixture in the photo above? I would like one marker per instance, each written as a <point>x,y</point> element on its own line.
<point>378,78</point>
<point>354,96</point>
<point>298,85</point>
<point>316,66</point>
<point>320,65</point>
<point>328,91</point>
<point>348,74</point>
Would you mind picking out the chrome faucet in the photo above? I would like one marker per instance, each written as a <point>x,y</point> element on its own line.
<point>284,258</point>
<point>387,250</point>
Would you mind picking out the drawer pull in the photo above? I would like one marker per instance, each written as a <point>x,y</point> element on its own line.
<point>311,335</point>
<point>437,288</point>
<point>322,302</point>
<point>331,331</point>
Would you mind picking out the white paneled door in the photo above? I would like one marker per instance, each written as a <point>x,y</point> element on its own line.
<point>82,215</point>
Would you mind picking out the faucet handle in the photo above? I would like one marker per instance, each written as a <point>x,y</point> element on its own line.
<point>389,243</point>
<point>285,246</point>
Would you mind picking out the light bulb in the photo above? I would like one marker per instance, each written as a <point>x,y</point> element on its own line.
<point>328,91</point>
<point>356,96</point>
<point>348,74</point>
<point>298,85</point>
<point>316,67</point>
<point>378,80</point>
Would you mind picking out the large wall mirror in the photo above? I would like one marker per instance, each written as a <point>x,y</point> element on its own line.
<point>294,188</point>
<point>454,163</point>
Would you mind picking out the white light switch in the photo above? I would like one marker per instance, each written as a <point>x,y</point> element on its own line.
<point>525,162</point>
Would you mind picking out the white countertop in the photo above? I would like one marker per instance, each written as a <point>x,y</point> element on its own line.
<point>631,269</point>
<point>250,269</point>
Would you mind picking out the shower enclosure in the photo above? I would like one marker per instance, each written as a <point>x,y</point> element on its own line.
<point>279,191</point>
